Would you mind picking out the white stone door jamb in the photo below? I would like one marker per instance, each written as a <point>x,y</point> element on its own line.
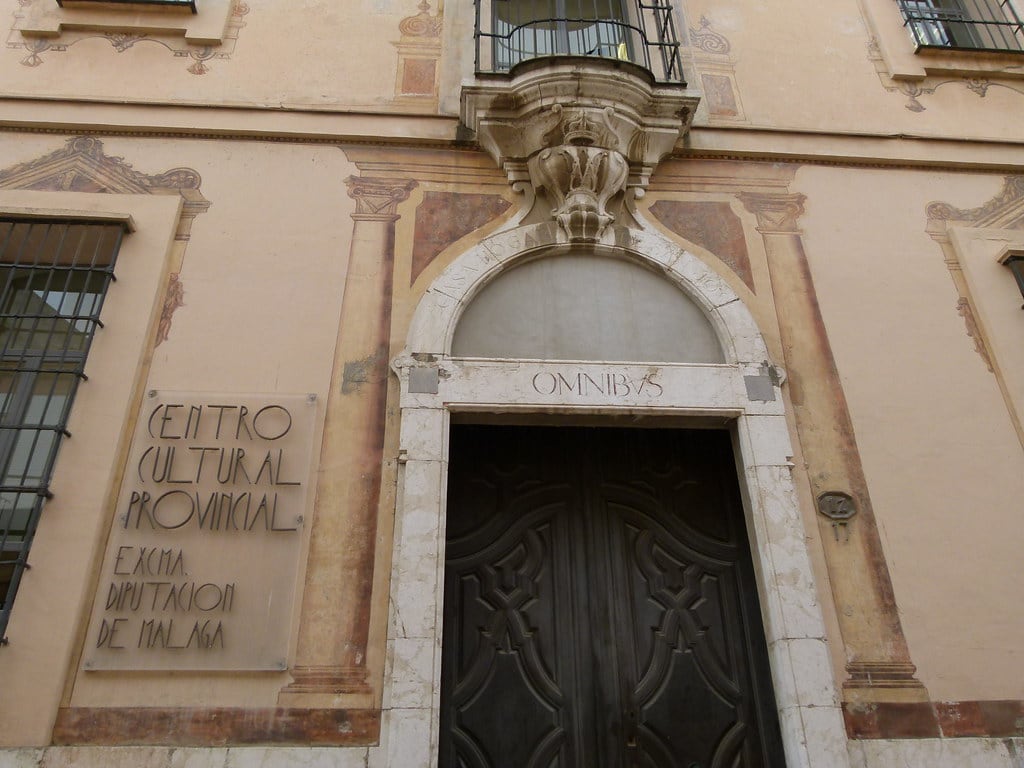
<point>434,384</point>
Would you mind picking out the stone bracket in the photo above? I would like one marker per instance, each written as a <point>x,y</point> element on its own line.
<point>605,106</point>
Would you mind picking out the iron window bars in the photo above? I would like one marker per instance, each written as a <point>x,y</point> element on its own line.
<point>53,279</point>
<point>641,31</point>
<point>1015,261</point>
<point>986,25</point>
<point>190,4</point>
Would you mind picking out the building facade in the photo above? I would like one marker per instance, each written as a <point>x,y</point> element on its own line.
<point>495,382</point>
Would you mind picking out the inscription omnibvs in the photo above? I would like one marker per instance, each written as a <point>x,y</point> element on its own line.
<point>584,384</point>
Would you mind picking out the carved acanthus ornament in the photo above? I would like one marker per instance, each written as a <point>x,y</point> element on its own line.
<point>581,175</point>
<point>581,132</point>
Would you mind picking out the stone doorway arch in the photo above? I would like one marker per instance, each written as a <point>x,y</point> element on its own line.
<point>744,391</point>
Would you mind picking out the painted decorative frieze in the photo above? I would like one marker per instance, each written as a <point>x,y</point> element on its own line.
<point>716,67</point>
<point>40,26</point>
<point>879,666</point>
<point>998,219</point>
<point>82,165</point>
<point>711,225</point>
<point>419,58</point>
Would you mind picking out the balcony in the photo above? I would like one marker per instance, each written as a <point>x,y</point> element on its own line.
<point>509,32</point>
<point>578,101</point>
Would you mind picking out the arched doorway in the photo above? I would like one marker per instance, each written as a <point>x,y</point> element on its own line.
<point>741,391</point>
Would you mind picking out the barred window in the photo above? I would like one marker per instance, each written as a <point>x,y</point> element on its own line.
<point>189,4</point>
<point>53,279</point>
<point>990,25</point>
<point>512,31</point>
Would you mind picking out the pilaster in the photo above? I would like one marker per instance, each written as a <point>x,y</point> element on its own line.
<point>878,660</point>
<point>332,646</point>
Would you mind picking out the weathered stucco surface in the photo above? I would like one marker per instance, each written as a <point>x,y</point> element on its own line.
<point>312,218</point>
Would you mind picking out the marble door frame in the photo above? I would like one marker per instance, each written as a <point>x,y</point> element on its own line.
<point>745,391</point>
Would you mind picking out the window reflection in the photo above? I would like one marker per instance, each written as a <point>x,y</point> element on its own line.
<point>535,28</point>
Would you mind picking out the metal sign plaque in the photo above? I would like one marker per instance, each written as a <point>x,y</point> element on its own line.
<point>202,562</point>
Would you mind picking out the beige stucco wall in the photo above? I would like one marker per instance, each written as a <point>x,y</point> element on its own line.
<point>811,67</point>
<point>58,586</point>
<point>322,55</point>
<point>349,59</point>
<point>265,269</point>
<point>263,276</point>
<point>940,453</point>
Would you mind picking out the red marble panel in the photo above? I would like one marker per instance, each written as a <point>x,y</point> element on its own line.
<point>444,217</point>
<point>713,226</point>
<point>215,726</point>
<point>721,99</point>
<point>949,719</point>
<point>909,720</point>
<point>418,77</point>
<point>995,719</point>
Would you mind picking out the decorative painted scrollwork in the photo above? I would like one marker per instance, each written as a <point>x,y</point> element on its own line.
<point>707,40</point>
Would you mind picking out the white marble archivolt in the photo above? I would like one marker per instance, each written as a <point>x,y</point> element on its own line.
<point>812,726</point>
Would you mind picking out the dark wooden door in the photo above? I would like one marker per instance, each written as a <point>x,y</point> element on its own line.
<point>600,607</point>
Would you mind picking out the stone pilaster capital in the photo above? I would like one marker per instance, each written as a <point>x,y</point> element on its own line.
<point>377,199</point>
<point>777,213</point>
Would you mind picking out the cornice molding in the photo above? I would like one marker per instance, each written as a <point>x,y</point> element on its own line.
<point>831,154</point>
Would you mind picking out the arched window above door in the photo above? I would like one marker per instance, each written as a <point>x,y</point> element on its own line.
<point>585,307</point>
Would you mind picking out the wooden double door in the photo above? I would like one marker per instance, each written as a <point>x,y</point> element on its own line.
<point>600,606</point>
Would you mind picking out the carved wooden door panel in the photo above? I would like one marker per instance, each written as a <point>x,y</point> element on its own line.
<point>600,607</point>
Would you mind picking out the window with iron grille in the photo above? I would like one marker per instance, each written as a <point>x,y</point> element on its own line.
<point>641,31</point>
<point>190,4</point>
<point>989,25</point>
<point>53,279</point>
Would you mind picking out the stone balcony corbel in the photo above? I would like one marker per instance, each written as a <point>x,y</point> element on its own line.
<point>584,129</point>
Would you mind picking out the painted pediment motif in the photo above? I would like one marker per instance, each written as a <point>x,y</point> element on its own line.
<point>81,165</point>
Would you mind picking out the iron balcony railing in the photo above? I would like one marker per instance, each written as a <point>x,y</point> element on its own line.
<point>640,31</point>
<point>976,25</point>
<point>190,4</point>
